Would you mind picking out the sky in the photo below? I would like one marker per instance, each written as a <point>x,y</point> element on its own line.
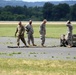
<point>41,0</point>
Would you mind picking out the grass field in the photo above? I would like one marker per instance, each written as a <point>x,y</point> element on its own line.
<point>36,67</point>
<point>53,30</point>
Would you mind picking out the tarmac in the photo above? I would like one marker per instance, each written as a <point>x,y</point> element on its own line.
<point>51,51</point>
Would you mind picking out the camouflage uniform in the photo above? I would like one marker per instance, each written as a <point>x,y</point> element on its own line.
<point>20,33</point>
<point>30,32</point>
<point>69,33</point>
<point>63,41</point>
<point>43,32</point>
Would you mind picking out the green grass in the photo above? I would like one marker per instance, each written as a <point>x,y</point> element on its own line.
<point>52,31</point>
<point>7,30</point>
<point>10,54</point>
<point>36,67</point>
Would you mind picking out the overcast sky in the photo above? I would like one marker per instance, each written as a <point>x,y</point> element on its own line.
<point>41,0</point>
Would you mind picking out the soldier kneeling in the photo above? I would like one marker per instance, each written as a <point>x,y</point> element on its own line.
<point>63,41</point>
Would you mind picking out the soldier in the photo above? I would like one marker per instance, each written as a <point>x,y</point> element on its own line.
<point>30,32</point>
<point>43,32</point>
<point>63,41</point>
<point>69,33</point>
<point>20,31</point>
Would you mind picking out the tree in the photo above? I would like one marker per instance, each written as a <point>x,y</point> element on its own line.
<point>36,13</point>
<point>6,16</point>
<point>73,12</point>
<point>19,17</point>
<point>25,10</point>
<point>8,8</point>
<point>47,11</point>
<point>61,11</point>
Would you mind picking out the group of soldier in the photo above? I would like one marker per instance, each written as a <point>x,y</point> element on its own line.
<point>65,40</point>
<point>30,31</point>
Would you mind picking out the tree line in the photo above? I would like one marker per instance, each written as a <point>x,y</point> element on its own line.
<point>49,11</point>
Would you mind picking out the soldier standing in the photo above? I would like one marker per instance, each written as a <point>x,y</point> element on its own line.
<point>30,32</point>
<point>20,33</point>
<point>43,32</point>
<point>69,33</point>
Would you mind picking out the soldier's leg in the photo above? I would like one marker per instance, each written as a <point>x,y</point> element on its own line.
<point>64,42</point>
<point>43,40</point>
<point>28,39</point>
<point>68,43</point>
<point>69,40</point>
<point>32,40</point>
<point>61,42</point>
<point>23,40</point>
<point>41,37</point>
<point>18,40</point>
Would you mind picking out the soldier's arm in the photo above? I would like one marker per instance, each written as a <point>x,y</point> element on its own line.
<point>40,29</point>
<point>16,32</point>
<point>27,28</point>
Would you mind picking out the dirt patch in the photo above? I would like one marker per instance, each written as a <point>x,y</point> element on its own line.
<point>35,22</point>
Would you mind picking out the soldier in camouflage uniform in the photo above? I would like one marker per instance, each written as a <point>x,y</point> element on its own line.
<point>69,33</point>
<point>43,32</point>
<point>30,32</point>
<point>20,33</point>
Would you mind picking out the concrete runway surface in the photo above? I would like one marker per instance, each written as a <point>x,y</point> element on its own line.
<point>52,51</point>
